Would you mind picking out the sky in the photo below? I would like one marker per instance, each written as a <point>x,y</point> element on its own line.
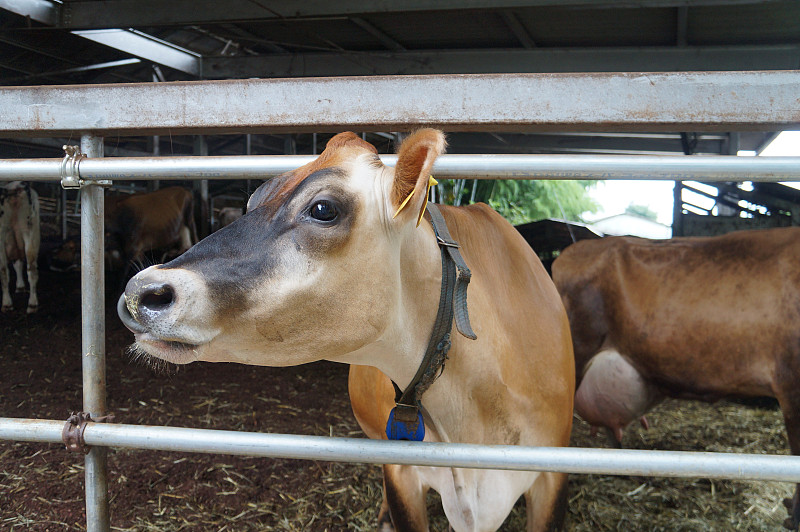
<point>614,196</point>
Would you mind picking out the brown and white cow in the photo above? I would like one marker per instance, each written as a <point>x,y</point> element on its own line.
<point>154,221</point>
<point>19,240</point>
<point>319,268</point>
<point>691,318</point>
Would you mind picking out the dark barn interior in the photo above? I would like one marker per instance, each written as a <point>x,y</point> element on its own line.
<point>82,42</point>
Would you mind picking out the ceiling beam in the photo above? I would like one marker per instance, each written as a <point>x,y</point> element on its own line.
<point>131,42</point>
<point>720,199</point>
<point>518,29</point>
<point>39,51</point>
<point>145,47</point>
<point>272,47</point>
<point>370,28</point>
<point>635,59</point>
<point>138,13</point>
<point>15,68</point>
<point>756,198</point>
<point>85,68</point>
<point>43,11</point>
<point>650,102</point>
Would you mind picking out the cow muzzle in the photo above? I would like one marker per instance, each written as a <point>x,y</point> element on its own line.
<point>165,311</point>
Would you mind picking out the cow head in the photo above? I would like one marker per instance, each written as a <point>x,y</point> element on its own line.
<point>11,193</point>
<point>321,266</point>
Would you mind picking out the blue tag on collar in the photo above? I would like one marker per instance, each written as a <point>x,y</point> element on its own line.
<point>412,430</point>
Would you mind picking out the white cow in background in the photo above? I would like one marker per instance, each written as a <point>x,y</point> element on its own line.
<point>19,239</point>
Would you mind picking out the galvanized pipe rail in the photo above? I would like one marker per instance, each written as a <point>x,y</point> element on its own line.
<point>507,457</point>
<point>609,167</point>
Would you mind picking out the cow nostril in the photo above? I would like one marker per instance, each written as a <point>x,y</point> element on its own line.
<point>158,298</point>
<point>125,315</point>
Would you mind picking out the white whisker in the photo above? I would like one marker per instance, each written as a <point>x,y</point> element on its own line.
<point>159,366</point>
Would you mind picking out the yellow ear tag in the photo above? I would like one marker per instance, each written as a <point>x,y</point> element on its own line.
<point>431,182</point>
<point>400,208</point>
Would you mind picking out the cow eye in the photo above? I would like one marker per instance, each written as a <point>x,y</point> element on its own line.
<point>324,211</point>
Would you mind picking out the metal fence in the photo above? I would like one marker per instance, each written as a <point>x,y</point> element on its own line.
<point>641,102</point>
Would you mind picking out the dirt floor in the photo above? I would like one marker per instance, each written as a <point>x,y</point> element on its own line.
<point>41,486</point>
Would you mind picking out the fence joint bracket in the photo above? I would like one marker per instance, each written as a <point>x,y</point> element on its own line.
<point>70,170</point>
<point>72,433</point>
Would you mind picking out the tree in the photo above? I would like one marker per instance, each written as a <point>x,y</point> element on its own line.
<point>522,201</point>
<point>642,210</point>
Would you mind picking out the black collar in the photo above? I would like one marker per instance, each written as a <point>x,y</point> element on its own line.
<point>452,302</point>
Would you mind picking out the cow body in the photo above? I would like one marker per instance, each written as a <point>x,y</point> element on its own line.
<point>689,318</point>
<point>139,224</point>
<point>319,268</point>
<point>19,241</point>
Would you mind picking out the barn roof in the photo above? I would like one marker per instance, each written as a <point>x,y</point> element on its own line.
<point>112,41</point>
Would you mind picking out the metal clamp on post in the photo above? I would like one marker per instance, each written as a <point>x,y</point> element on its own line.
<point>70,176</point>
<point>70,170</point>
<point>72,434</point>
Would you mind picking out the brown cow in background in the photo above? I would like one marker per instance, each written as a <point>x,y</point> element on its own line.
<point>160,221</point>
<point>690,318</point>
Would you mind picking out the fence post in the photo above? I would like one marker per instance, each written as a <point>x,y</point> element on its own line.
<point>93,327</point>
<point>201,190</point>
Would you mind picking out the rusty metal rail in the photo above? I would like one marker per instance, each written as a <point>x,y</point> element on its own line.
<point>676,101</point>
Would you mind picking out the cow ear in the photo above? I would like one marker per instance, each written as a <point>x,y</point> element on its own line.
<point>348,138</point>
<point>412,173</point>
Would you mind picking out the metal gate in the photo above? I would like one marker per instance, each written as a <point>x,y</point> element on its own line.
<point>652,102</point>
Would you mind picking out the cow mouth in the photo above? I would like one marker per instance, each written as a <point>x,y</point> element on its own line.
<point>148,344</point>
<point>165,345</point>
<point>173,351</point>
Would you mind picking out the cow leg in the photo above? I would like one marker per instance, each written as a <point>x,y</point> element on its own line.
<point>546,503</point>
<point>614,437</point>
<point>384,515</point>
<point>32,253</point>
<point>789,399</point>
<point>404,497</point>
<point>8,304</point>
<point>20,281</point>
<point>185,237</point>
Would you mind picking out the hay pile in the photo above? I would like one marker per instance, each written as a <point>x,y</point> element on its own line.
<point>636,503</point>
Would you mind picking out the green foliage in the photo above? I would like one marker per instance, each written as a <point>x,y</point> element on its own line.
<point>522,201</point>
<point>642,210</point>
